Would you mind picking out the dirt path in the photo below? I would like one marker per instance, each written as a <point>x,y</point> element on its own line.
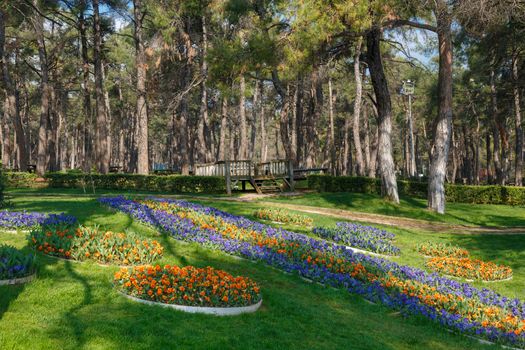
<point>397,221</point>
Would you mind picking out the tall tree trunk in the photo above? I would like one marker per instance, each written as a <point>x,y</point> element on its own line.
<point>45,90</point>
<point>331,145</point>
<point>360,167</point>
<point>496,151</point>
<point>314,115</point>
<point>141,107</point>
<point>12,106</point>
<point>256,112</point>
<point>102,154</point>
<point>223,128</point>
<point>443,122</point>
<point>367,137</point>
<point>299,116</point>
<point>86,101</point>
<point>384,115</point>
<point>518,172</point>
<point>283,116</point>
<point>264,137</point>
<point>204,123</point>
<point>243,147</point>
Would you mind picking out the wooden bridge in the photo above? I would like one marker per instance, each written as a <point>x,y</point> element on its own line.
<point>265,177</point>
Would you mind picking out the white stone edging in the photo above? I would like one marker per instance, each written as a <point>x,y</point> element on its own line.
<point>13,232</point>
<point>369,252</point>
<point>20,280</point>
<point>471,280</point>
<point>217,311</point>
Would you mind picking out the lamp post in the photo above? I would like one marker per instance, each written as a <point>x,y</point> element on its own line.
<point>408,90</point>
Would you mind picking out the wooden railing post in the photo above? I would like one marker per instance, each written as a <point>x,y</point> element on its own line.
<point>290,174</point>
<point>227,175</point>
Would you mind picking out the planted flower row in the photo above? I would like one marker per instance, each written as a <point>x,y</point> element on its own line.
<point>471,269</point>
<point>480,312</point>
<point>190,286</point>
<point>283,216</point>
<point>360,236</point>
<point>81,243</point>
<point>25,220</point>
<point>455,261</point>
<point>434,249</point>
<point>15,264</point>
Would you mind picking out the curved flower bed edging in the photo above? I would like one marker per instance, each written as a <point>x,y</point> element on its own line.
<point>188,286</point>
<point>108,248</point>
<point>15,264</point>
<point>367,238</point>
<point>217,311</point>
<point>470,269</point>
<point>369,252</point>
<point>433,249</point>
<point>455,305</point>
<point>282,216</point>
<point>20,280</point>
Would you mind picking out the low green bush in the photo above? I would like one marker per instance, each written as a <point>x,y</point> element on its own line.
<point>21,180</point>
<point>493,194</point>
<point>155,183</point>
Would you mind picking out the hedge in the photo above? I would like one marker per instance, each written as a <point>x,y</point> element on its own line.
<point>21,180</point>
<point>154,183</point>
<point>493,194</point>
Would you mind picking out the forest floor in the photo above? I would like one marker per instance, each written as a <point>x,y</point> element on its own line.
<point>74,306</point>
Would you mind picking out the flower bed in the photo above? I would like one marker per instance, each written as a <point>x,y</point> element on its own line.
<point>360,236</point>
<point>471,269</point>
<point>442,250</point>
<point>455,305</point>
<point>283,216</point>
<point>12,220</point>
<point>187,286</point>
<point>14,264</point>
<point>81,243</point>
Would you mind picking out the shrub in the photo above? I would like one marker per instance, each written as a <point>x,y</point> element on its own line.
<point>14,263</point>
<point>442,250</point>
<point>154,183</point>
<point>188,285</point>
<point>21,180</point>
<point>360,236</point>
<point>470,268</point>
<point>493,194</point>
<point>81,243</point>
<point>283,216</point>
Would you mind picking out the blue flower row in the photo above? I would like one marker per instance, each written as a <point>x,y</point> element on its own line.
<point>185,229</point>
<point>360,236</point>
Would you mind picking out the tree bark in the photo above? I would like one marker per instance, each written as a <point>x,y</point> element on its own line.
<point>243,147</point>
<point>496,150</point>
<point>360,167</point>
<point>12,106</point>
<point>331,145</point>
<point>101,149</point>
<point>443,122</point>
<point>224,126</point>
<point>86,143</point>
<point>141,107</point>
<point>38,24</point>
<point>518,172</point>
<point>384,115</point>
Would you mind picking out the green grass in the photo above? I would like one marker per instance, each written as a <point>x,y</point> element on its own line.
<point>73,305</point>
<point>456,213</point>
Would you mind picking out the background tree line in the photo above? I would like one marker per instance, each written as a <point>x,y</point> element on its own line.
<point>127,85</point>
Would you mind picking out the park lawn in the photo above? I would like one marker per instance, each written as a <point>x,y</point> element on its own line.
<point>415,208</point>
<point>73,305</point>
